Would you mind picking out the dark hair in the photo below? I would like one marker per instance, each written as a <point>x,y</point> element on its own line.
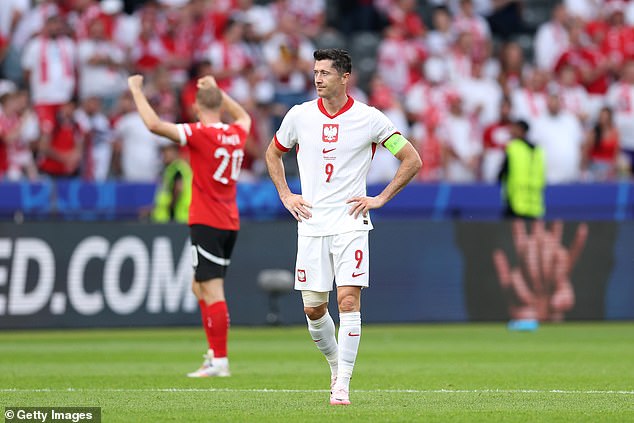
<point>341,60</point>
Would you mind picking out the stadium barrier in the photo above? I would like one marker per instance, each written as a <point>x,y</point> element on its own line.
<point>77,200</point>
<point>71,274</point>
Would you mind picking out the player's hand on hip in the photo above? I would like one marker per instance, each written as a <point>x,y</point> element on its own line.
<point>298,207</point>
<point>362,205</point>
<point>135,82</point>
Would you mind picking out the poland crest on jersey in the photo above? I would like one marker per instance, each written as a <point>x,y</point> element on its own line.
<point>330,132</point>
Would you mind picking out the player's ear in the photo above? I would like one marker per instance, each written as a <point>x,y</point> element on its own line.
<point>345,77</point>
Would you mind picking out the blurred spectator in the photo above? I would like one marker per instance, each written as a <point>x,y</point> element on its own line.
<point>460,57</point>
<point>585,10</point>
<point>618,37</point>
<point>481,95</point>
<point>551,40</point>
<point>494,140</point>
<point>403,13</point>
<point>19,131</point>
<point>188,93</point>
<point>460,137</point>
<point>560,134</point>
<point>384,164</point>
<point>60,151</point>
<point>310,14</point>
<point>620,99</point>
<point>11,12</point>
<point>441,37</point>
<point>148,50</point>
<point>529,101</point>
<point>430,93</point>
<point>593,68</point>
<point>574,98</point>
<point>49,66</point>
<point>97,156</point>
<point>468,21</point>
<point>603,146</point>
<point>259,17</point>
<point>101,66</point>
<point>82,15</point>
<point>396,57</point>
<point>424,136</point>
<point>511,67</point>
<point>137,149</point>
<point>229,56</point>
<point>32,22</point>
<point>289,56</point>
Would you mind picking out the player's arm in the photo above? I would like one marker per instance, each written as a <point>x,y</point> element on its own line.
<point>151,120</point>
<point>408,168</point>
<point>294,203</point>
<point>237,112</point>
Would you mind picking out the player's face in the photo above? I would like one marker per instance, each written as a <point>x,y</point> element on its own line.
<point>328,82</point>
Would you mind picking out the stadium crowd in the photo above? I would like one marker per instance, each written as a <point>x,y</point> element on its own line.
<point>455,79</point>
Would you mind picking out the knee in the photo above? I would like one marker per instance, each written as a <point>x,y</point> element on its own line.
<point>348,303</point>
<point>314,313</point>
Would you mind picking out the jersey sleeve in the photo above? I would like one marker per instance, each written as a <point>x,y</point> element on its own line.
<point>286,136</point>
<point>382,127</point>
<point>185,132</point>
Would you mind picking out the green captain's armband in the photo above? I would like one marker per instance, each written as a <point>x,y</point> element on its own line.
<point>395,143</point>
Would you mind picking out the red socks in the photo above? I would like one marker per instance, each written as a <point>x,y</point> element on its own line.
<point>216,324</point>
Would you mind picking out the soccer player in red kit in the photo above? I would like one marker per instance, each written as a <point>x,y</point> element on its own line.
<point>216,153</point>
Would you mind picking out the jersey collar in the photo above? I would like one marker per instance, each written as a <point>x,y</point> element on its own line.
<point>345,108</point>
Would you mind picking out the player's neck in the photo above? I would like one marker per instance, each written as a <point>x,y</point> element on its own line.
<point>208,117</point>
<point>334,104</point>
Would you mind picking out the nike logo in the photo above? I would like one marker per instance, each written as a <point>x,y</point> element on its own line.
<point>326,151</point>
<point>353,334</point>
<point>356,275</point>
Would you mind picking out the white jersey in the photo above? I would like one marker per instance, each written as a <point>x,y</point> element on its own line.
<point>334,154</point>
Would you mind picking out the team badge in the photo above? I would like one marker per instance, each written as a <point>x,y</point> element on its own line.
<point>330,132</point>
<point>301,275</point>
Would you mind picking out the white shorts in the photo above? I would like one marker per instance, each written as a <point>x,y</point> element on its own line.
<point>342,257</point>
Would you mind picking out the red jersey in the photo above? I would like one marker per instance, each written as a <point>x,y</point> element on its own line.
<point>216,154</point>
<point>63,140</point>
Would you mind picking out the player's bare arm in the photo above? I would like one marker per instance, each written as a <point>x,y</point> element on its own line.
<point>409,167</point>
<point>151,120</point>
<point>241,117</point>
<point>294,203</point>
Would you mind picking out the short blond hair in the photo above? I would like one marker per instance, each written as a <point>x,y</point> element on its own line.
<point>209,98</point>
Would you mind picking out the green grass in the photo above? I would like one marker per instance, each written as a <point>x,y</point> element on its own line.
<point>454,373</point>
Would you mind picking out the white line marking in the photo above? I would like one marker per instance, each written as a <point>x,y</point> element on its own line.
<point>390,391</point>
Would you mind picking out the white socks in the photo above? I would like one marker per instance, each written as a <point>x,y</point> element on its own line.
<point>322,331</point>
<point>349,336</point>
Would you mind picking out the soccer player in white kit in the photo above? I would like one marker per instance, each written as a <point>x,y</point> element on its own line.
<point>335,137</point>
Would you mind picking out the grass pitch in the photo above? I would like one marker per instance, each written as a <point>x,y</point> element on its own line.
<point>433,373</point>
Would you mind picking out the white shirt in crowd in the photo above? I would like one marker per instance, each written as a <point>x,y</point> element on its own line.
<point>527,105</point>
<point>561,137</point>
<point>100,80</point>
<point>334,158</point>
<point>140,156</point>
<point>551,41</point>
<point>482,93</point>
<point>459,134</point>
<point>52,66</point>
<point>7,10</point>
<point>620,98</point>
